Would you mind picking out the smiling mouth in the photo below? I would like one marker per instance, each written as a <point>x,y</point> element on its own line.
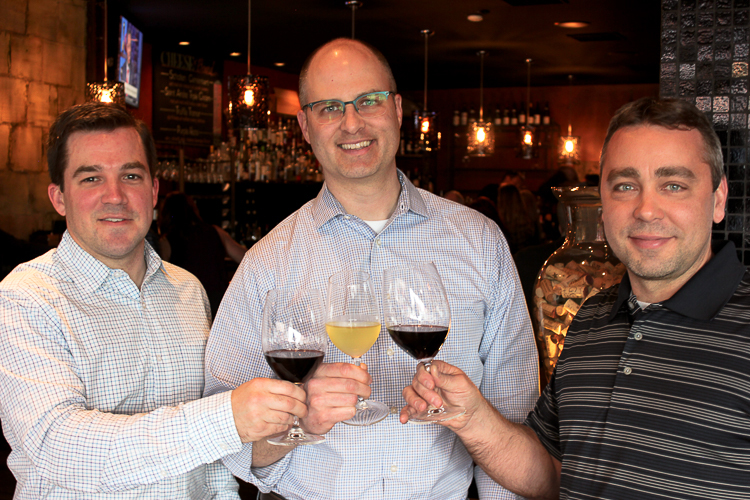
<point>356,145</point>
<point>113,219</point>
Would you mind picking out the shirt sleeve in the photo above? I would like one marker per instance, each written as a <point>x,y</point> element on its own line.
<point>510,379</point>
<point>544,421</point>
<point>233,359</point>
<point>45,410</point>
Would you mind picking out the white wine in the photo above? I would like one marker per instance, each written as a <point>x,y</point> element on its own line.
<point>353,337</point>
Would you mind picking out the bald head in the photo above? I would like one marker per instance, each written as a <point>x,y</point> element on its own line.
<point>334,49</point>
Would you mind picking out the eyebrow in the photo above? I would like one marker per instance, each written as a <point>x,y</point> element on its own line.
<point>632,173</point>
<point>88,169</point>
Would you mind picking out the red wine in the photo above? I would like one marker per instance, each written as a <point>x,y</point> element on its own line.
<point>294,365</point>
<point>421,342</point>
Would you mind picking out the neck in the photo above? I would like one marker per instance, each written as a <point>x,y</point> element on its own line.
<point>372,200</point>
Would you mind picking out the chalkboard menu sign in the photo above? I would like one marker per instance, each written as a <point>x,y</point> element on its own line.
<point>183,100</point>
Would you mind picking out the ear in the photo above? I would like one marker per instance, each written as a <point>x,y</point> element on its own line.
<point>302,119</point>
<point>155,192</point>
<point>57,198</point>
<point>399,110</point>
<point>720,198</point>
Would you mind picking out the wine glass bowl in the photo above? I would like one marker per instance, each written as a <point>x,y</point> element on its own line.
<point>294,345</point>
<point>417,317</point>
<point>353,325</point>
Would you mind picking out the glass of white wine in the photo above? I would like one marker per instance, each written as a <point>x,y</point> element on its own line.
<point>353,325</point>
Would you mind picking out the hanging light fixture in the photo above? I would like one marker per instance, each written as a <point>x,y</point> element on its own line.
<point>481,140</point>
<point>527,149</point>
<point>354,4</point>
<point>569,147</point>
<point>429,137</point>
<point>105,91</point>
<point>248,95</point>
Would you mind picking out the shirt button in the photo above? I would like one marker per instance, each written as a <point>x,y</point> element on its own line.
<point>389,352</point>
<point>638,336</point>
<point>627,370</point>
<point>394,410</point>
<point>347,217</point>
<point>394,468</point>
<point>223,446</point>
<point>378,242</point>
<point>158,358</point>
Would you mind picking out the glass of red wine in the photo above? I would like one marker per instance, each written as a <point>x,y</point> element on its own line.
<point>294,344</point>
<point>418,317</point>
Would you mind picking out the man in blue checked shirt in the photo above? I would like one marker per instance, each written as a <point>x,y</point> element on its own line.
<point>102,343</point>
<point>369,216</point>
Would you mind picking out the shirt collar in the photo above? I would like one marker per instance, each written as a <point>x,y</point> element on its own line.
<point>88,271</point>
<point>325,206</point>
<point>721,276</point>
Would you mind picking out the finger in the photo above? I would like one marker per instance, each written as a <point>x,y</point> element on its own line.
<point>413,399</point>
<point>426,394</point>
<point>342,370</point>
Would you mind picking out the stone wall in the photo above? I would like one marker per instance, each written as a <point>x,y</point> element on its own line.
<point>705,48</point>
<point>42,72</point>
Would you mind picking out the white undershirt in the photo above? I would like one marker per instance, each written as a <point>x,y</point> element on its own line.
<point>376,225</point>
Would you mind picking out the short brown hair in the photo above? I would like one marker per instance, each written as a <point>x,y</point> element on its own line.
<point>306,66</point>
<point>673,114</point>
<point>91,117</point>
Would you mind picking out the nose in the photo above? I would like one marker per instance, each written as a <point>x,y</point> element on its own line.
<point>352,121</point>
<point>648,207</point>
<point>113,194</point>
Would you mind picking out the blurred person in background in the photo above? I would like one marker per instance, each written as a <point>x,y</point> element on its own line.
<point>189,242</point>
<point>518,223</point>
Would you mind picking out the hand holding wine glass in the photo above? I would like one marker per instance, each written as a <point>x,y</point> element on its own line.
<point>417,316</point>
<point>353,325</point>
<point>294,344</point>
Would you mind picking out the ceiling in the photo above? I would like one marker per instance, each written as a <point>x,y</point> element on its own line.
<point>512,30</point>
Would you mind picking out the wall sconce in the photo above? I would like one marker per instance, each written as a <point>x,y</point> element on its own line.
<point>481,139</point>
<point>248,95</point>
<point>569,149</point>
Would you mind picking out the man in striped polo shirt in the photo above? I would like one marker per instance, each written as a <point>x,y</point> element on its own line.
<point>651,397</point>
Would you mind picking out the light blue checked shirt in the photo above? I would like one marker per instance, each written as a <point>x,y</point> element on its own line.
<point>490,339</point>
<point>100,382</point>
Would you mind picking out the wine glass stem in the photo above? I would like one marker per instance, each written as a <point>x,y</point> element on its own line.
<point>361,403</point>
<point>296,431</point>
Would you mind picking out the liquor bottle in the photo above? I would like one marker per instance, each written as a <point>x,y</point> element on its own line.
<point>464,117</point>
<point>537,114</point>
<point>545,114</point>
<point>513,116</point>
<point>498,117</point>
<point>522,115</point>
<point>506,116</point>
<point>472,116</point>
<point>456,118</point>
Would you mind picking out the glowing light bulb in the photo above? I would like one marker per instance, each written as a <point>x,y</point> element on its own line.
<point>249,97</point>
<point>527,138</point>
<point>569,146</point>
<point>106,97</point>
<point>425,126</point>
<point>480,135</point>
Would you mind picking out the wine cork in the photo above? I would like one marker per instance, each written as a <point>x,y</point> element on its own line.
<point>549,310</point>
<point>574,292</point>
<point>553,326</point>
<point>571,307</point>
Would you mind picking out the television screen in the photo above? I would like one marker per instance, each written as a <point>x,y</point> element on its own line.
<point>129,61</point>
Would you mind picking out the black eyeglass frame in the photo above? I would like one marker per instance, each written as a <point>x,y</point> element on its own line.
<point>387,94</point>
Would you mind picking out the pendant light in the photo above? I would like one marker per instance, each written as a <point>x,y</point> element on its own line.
<point>105,91</point>
<point>569,147</point>
<point>354,4</point>
<point>429,137</point>
<point>527,150</point>
<point>248,95</point>
<point>481,140</point>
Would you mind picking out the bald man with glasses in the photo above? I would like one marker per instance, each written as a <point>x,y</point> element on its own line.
<point>369,217</point>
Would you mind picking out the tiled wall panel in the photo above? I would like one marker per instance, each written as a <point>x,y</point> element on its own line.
<point>705,47</point>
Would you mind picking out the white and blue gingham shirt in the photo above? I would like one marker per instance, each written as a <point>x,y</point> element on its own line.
<point>490,339</point>
<point>100,382</point>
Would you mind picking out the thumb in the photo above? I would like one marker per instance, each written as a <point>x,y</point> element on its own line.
<point>446,376</point>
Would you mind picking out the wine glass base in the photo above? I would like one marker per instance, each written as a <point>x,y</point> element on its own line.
<point>374,413</point>
<point>296,440</point>
<point>433,414</point>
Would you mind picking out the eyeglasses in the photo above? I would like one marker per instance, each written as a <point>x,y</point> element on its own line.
<point>332,110</point>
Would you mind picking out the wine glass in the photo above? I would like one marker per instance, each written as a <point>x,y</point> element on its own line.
<point>353,325</point>
<point>294,344</point>
<point>417,316</point>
